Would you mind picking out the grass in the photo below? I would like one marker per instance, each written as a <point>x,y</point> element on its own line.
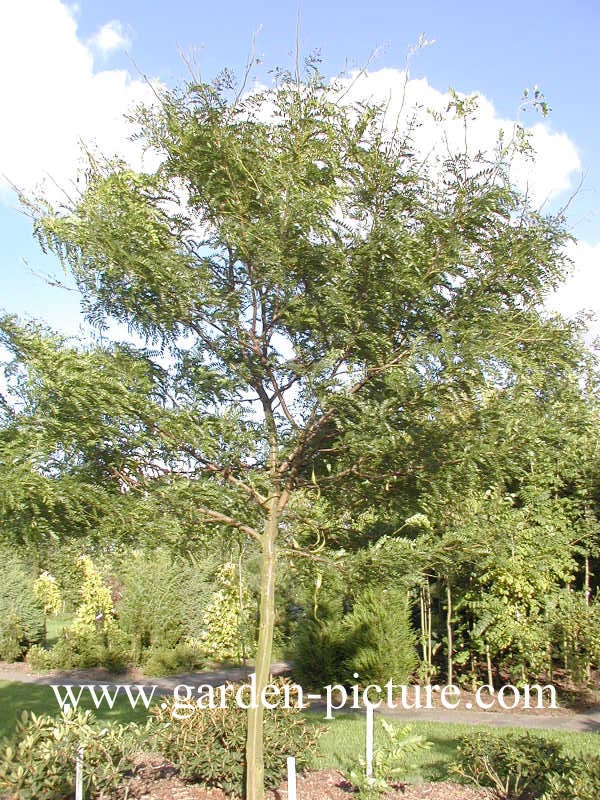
<point>55,625</point>
<point>344,743</point>
<point>39,698</point>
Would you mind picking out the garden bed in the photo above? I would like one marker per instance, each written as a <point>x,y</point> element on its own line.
<point>156,780</point>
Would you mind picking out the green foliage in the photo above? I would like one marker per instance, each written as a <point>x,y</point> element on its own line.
<point>21,615</point>
<point>375,640</point>
<point>574,628</point>
<point>163,597</point>
<point>208,746</point>
<point>379,642</point>
<point>227,633</point>
<point>83,649</point>
<point>47,592</point>
<point>94,638</point>
<point>96,611</point>
<point>39,761</point>
<point>336,312</point>
<point>392,761</point>
<point>516,766</point>
<point>318,652</point>
<point>12,637</point>
<point>171,661</point>
<point>578,780</point>
<point>40,658</point>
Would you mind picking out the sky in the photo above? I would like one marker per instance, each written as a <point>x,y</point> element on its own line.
<point>69,72</point>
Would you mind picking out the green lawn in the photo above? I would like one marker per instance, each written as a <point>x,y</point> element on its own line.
<point>344,742</point>
<point>341,745</point>
<point>55,625</point>
<point>18,697</point>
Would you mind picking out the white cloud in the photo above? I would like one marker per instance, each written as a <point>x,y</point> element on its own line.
<point>111,36</point>
<point>581,291</point>
<point>54,96</point>
<point>550,174</point>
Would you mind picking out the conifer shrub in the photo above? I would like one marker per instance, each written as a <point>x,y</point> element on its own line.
<point>379,642</point>
<point>318,652</point>
<point>21,614</point>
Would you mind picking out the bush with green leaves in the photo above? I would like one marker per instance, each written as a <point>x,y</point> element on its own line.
<point>392,761</point>
<point>170,661</point>
<point>318,652</point>
<point>163,598</point>
<point>379,642</point>
<point>47,591</point>
<point>579,780</point>
<point>39,761</point>
<point>94,638</point>
<point>227,620</point>
<point>515,766</point>
<point>209,745</point>
<point>83,649</point>
<point>21,614</point>
<point>96,609</point>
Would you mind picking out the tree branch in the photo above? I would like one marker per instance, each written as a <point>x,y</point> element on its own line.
<point>216,516</point>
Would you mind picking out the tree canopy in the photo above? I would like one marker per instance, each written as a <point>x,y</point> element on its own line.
<point>332,318</point>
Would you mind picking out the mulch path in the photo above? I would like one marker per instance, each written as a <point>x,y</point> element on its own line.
<point>156,780</point>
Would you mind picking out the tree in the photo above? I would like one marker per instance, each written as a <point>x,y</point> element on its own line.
<point>297,261</point>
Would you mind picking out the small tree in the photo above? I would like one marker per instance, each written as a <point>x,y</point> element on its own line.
<point>298,261</point>
<point>96,611</point>
<point>226,623</point>
<point>47,591</point>
<point>379,641</point>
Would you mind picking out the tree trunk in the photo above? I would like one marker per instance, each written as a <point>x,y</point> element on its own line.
<point>588,664</point>
<point>424,632</point>
<point>426,643</point>
<point>488,661</point>
<point>449,631</point>
<point>242,625</point>
<point>255,766</point>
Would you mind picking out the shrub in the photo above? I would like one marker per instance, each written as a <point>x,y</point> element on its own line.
<point>379,641</point>
<point>392,761</point>
<point>170,661</point>
<point>95,612</point>
<point>580,780</point>
<point>21,615</point>
<point>48,594</point>
<point>227,621</point>
<point>162,603</point>
<point>318,653</point>
<point>12,637</point>
<point>209,746</point>
<point>39,658</point>
<point>39,761</point>
<point>83,649</point>
<point>94,639</point>
<point>515,766</point>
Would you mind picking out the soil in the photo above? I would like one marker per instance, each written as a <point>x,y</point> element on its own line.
<point>156,780</point>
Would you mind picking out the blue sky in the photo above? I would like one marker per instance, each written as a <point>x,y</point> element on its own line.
<point>68,71</point>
